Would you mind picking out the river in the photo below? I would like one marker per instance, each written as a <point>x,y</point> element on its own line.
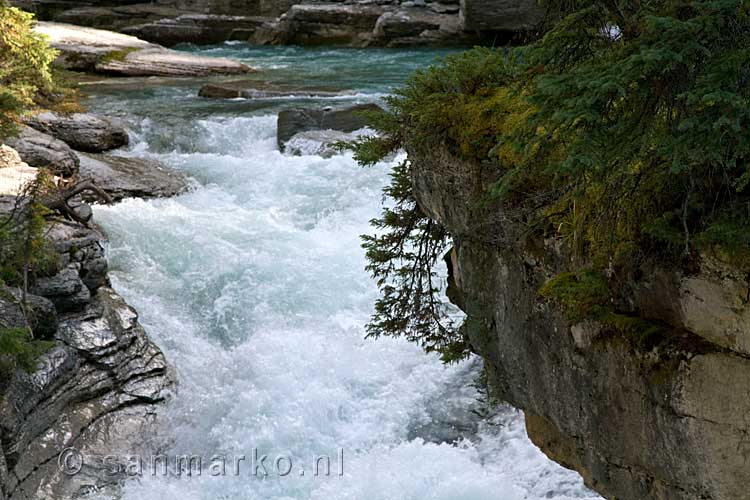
<point>254,286</point>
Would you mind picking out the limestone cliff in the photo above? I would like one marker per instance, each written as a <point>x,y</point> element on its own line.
<point>640,418</point>
<point>96,390</point>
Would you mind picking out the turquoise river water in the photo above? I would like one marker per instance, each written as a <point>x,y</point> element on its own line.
<point>254,286</point>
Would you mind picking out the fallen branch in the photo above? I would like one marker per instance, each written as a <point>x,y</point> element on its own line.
<point>59,201</point>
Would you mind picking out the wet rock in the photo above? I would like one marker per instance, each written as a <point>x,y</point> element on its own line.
<point>40,313</point>
<point>319,142</point>
<point>346,119</point>
<point>88,49</point>
<point>81,131</point>
<point>123,177</point>
<point>97,389</point>
<point>42,150</point>
<point>65,289</point>
<point>260,90</point>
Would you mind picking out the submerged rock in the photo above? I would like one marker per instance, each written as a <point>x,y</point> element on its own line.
<point>42,150</point>
<point>124,177</point>
<point>344,119</point>
<point>82,131</point>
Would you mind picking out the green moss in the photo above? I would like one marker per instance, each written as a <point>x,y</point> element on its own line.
<point>581,295</point>
<point>116,55</point>
<point>629,149</point>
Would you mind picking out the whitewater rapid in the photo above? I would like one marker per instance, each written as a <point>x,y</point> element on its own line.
<point>254,286</point>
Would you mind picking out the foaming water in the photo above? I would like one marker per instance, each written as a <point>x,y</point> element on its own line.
<point>254,286</point>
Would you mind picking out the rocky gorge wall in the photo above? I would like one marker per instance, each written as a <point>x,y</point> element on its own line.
<point>639,418</point>
<point>359,23</point>
<point>100,381</point>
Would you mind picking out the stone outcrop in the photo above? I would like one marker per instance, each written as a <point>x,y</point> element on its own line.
<point>88,49</point>
<point>367,24</point>
<point>500,15</point>
<point>81,131</point>
<point>308,22</point>
<point>14,173</point>
<point>124,177</point>
<point>96,389</point>
<point>654,417</point>
<point>344,119</point>
<point>41,150</point>
<point>200,29</point>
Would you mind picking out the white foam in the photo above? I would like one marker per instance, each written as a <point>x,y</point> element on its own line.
<point>254,286</point>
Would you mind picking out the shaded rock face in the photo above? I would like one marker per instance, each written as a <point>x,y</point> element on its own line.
<point>97,389</point>
<point>199,29</point>
<point>666,421</point>
<point>293,121</point>
<point>81,131</point>
<point>42,150</point>
<point>307,22</point>
<point>500,15</point>
<point>329,24</point>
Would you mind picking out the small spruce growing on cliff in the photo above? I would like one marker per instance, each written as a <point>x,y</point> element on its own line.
<point>622,132</point>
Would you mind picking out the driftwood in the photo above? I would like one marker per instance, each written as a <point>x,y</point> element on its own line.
<point>58,202</point>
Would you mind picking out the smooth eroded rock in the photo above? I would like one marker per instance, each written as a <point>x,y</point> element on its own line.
<point>88,49</point>
<point>81,131</point>
<point>124,177</point>
<point>41,150</point>
<point>344,119</point>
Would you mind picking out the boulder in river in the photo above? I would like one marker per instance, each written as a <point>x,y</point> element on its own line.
<point>346,119</point>
<point>42,150</point>
<point>320,24</point>
<point>124,177</point>
<point>88,49</point>
<point>82,131</point>
<point>318,142</point>
<point>261,90</point>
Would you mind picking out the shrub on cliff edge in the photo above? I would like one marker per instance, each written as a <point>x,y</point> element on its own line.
<point>623,131</point>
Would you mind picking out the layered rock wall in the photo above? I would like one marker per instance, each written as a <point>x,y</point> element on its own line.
<point>639,418</point>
